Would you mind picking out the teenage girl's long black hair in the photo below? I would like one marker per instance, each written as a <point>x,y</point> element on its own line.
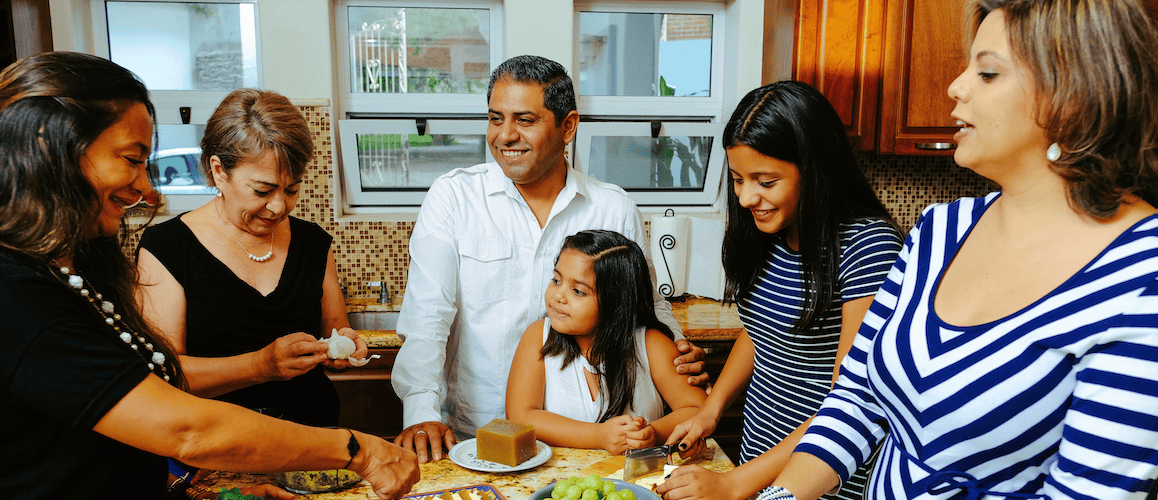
<point>793,122</point>
<point>623,295</point>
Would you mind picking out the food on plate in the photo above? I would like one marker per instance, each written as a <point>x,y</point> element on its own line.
<point>650,482</point>
<point>590,487</point>
<point>505,442</point>
<point>317,481</point>
<point>478,492</point>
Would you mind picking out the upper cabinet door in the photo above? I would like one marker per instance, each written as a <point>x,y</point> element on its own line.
<point>924,53</point>
<point>838,51</point>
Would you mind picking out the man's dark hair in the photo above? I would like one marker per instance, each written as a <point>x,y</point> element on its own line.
<point>558,91</point>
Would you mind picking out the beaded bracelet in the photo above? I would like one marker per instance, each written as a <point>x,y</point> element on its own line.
<point>776,493</point>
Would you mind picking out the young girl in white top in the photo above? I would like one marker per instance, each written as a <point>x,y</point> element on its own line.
<point>595,373</point>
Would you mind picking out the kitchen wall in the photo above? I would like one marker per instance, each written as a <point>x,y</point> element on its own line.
<point>378,250</point>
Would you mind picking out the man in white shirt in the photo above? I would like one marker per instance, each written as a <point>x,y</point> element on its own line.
<point>483,250</point>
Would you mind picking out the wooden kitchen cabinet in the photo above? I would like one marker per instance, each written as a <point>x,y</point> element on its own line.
<point>368,400</point>
<point>885,65</point>
<point>838,50</point>
<point>924,53</point>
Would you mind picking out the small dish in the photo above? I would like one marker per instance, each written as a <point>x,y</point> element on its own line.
<point>465,454</point>
<point>318,481</point>
<point>640,492</point>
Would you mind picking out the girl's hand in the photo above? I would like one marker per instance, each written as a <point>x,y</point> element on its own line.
<point>614,433</point>
<point>693,482</point>
<point>291,355</point>
<point>360,352</point>
<point>690,433</point>
<point>643,438</point>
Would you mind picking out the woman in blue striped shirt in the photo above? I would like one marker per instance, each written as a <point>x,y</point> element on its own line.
<point>1013,350</point>
<point>806,246</point>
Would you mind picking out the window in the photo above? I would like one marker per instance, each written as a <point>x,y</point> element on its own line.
<point>393,171</point>
<point>649,83</point>
<point>406,66</point>
<point>190,55</point>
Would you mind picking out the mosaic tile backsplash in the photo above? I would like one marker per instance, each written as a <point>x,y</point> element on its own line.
<point>378,251</point>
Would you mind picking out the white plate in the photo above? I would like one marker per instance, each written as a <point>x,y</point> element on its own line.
<point>465,455</point>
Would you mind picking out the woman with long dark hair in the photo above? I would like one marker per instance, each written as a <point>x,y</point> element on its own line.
<point>90,395</point>
<point>805,248</point>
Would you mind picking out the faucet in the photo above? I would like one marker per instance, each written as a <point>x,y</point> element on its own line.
<point>383,291</point>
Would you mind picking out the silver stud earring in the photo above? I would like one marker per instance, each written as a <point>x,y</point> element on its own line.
<point>1053,152</point>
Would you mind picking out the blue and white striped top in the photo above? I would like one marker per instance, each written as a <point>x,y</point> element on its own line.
<point>793,372</point>
<point>1058,400</point>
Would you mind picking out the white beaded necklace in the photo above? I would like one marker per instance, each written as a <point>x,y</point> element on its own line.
<point>155,360</point>
<point>252,257</point>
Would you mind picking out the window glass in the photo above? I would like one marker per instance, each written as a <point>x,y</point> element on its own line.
<point>419,50</point>
<point>173,166</point>
<point>641,54</point>
<point>385,162</point>
<point>185,46</point>
<point>644,163</point>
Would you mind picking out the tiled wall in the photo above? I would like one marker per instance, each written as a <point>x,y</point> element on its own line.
<point>371,251</point>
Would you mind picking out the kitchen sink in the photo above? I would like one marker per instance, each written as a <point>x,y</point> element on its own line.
<point>373,320</point>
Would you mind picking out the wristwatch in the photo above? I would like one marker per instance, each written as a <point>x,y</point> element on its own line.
<point>353,447</point>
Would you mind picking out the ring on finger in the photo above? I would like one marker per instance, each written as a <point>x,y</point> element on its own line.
<point>416,433</point>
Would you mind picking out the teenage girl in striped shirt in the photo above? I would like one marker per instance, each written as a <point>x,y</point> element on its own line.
<point>806,246</point>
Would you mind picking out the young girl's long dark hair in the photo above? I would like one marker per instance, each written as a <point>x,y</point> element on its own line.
<point>623,295</point>
<point>53,106</point>
<point>793,122</point>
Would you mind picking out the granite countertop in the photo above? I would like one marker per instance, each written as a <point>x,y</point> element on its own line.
<point>445,474</point>
<point>702,320</point>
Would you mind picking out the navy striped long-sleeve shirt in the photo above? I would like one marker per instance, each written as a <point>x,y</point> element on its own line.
<point>1058,400</point>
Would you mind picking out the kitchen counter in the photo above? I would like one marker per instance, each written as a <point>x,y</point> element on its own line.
<point>445,474</point>
<point>702,320</point>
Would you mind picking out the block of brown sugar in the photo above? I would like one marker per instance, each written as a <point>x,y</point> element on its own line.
<point>505,442</point>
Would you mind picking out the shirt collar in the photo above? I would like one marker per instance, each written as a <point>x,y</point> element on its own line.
<point>498,182</point>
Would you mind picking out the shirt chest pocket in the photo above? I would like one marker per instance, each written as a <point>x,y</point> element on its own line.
<point>485,270</point>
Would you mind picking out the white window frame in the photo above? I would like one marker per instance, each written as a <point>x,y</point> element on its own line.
<point>357,201</point>
<point>660,197</point>
<point>657,106</point>
<point>167,103</point>
<point>390,105</point>
<point>679,116</point>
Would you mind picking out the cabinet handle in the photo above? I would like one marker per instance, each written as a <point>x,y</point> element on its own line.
<point>935,146</point>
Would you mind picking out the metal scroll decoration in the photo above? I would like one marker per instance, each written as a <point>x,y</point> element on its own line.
<point>667,242</point>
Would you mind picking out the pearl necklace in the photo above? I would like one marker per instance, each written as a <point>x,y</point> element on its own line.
<point>155,361</point>
<point>252,257</point>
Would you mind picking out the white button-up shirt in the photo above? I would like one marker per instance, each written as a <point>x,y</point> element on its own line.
<point>479,265</point>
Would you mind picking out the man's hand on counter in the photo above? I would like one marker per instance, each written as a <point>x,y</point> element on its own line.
<point>691,363</point>
<point>428,439</point>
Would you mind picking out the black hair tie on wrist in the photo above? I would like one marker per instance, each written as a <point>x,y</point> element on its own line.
<point>353,447</point>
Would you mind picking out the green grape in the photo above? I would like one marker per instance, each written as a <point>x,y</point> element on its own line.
<point>627,494</point>
<point>560,490</point>
<point>574,492</point>
<point>590,495</point>
<point>592,482</point>
<point>614,495</point>
<point>608,487</point>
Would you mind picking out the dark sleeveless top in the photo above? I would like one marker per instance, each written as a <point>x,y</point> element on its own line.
<point>225,316</point>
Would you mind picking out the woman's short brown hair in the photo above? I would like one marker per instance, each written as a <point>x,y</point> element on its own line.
<point>1095,66</point>
<point>250,122</point>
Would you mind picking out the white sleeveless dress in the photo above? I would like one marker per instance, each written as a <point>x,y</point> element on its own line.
<point>567,394</point>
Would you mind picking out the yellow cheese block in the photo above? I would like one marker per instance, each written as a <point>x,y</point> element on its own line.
<point>505,442</point>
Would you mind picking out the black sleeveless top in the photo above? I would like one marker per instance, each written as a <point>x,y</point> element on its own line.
<point>225,316</point>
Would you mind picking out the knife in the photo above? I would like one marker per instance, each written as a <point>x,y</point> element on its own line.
<point>643,461</point>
